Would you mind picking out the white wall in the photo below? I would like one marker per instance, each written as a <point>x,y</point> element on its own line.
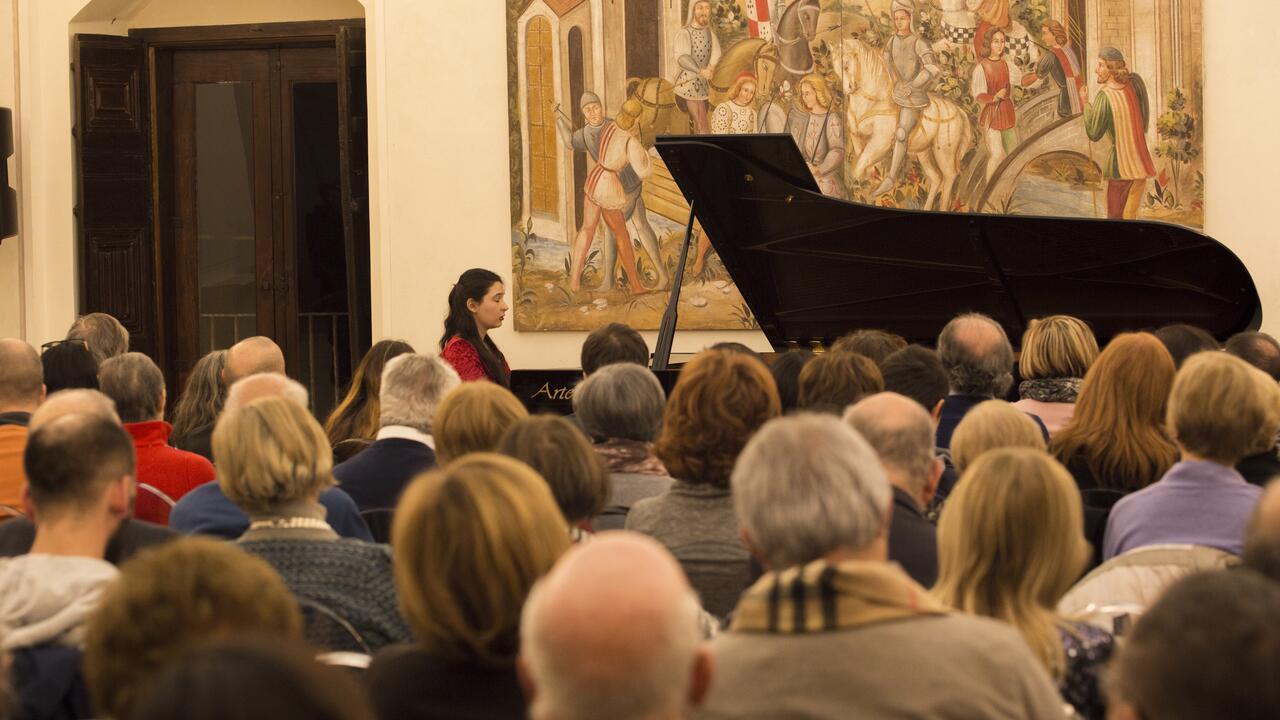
<point>11,316</point>
<point>439,157</point>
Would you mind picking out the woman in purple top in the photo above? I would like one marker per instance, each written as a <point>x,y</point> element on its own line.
<point>1219,410</point>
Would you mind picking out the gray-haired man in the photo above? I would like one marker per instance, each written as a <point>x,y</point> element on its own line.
<point>833,616</point>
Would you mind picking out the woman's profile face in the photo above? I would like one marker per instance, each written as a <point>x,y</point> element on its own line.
<point>490,310</point>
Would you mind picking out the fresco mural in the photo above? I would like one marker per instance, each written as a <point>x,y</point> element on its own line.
<point>1082,108</point>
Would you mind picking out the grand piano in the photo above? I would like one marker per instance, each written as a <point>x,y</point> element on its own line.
<point>813,268</point>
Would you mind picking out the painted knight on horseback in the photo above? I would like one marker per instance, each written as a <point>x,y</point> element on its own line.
<point>913,66</point>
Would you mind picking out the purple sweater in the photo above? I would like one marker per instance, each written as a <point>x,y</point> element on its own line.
<point>1197,502</point>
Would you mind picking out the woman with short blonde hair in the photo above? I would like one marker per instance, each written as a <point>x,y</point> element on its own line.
<point>273,462</point>
<point>990,425</point>
<point>1009,547</point>
<point>470,541</point>
<point>1056,353</point>
<point>1116,438</point>
<point>472,418</point>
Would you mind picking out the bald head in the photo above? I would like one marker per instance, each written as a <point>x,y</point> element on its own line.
<point>901,433</point>
<point>1262,541</point>
<point>21,376</point>
<point>253,387</point>
<point>79,401</point>
<point>977,355</point>
<point>612,631</point>
<point>250,356</point>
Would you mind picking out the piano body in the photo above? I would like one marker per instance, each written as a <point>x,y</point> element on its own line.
<point>812,267</point>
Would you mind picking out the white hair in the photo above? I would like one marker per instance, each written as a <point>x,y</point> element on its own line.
<point>807,485</point>
<point>901,432</point>
<point>273,383</point>
<point>413,385</point>
<point>642,681</point>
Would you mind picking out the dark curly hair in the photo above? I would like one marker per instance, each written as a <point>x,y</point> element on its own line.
<point>718,403</point>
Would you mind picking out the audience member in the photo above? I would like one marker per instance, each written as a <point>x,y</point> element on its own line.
<point>901,433</point>
<point>876,345</point>
<point>251,356</point>
<point>620,407</point>
<point>1262,464</point>
<point>836,631</point>
<point>1216,409</point>
<point>358,416</point>
<point>72,402</point>
<point>1116,438</point>
<point>472,418</point>
<point>835,380</point>
<point>989,425</point>
<point>273,462</point>
<point>171,599</point>
<point>1207,649</point>
<point>80,474</point>
<point>720,399</point>
<point>557,451</point>
<point>1182,341</point>
<point>1258,349</point>
<point>412,388</point>
<point>1056,353</point>
<point>132,535</point>
<point>68,365</point>
<point>916,372</point>
<point>103,335</point>
<point>613,343</point>
<point>136,386</point>
<point>979,362</point>
<point>197,409</point>
<point>1011,546</point>
<point>613,632</point>
<point>1262,539</point>
<point>207,510</point>
<point>470,540</point>
<point>21,392</point>
<point>477,305</point>
<point>786,370</point>
<point>231,679</point>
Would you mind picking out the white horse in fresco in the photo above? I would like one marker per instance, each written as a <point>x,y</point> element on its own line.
<point>939,142</point>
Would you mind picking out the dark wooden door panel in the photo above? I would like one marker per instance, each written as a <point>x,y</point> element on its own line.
<point>113,194</point>
<point>353,129</point>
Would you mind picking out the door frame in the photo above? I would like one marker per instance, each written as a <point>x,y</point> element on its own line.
<point>161,44</point>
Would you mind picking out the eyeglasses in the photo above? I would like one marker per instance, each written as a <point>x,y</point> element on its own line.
<point>54,343</point>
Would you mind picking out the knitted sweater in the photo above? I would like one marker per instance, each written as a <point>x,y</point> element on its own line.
<point>350,577</point>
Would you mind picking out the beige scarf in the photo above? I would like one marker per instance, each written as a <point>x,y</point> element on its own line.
<point>822,596</point>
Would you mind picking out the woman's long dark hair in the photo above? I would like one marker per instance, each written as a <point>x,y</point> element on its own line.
<point>474,284</point>
<point>357,415</point>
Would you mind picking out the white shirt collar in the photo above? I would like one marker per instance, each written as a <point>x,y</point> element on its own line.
<point>404,432</point>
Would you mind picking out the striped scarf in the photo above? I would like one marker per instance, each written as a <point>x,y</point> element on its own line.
<point>822,596</point>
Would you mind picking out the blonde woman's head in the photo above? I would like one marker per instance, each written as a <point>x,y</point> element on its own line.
<point>470,540</point>
<point>1058,346</point>
<point>270,453</point>
<point>1011,543</point>
<point>992,424</point>
<point>1222,408</point>
<point>472,418</point>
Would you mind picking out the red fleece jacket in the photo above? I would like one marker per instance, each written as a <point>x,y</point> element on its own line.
<point>172,471</point>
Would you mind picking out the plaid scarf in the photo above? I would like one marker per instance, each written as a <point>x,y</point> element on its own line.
<point>821,596</point>
<point>1051,390</point>
<point>630,456</point>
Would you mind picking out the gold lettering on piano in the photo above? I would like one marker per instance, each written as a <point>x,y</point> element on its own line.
<point>560,392</point>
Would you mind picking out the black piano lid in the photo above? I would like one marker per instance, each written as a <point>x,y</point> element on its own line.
<point>813,268</point>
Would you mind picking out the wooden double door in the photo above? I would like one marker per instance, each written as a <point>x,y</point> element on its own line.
<point>256,222</point>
